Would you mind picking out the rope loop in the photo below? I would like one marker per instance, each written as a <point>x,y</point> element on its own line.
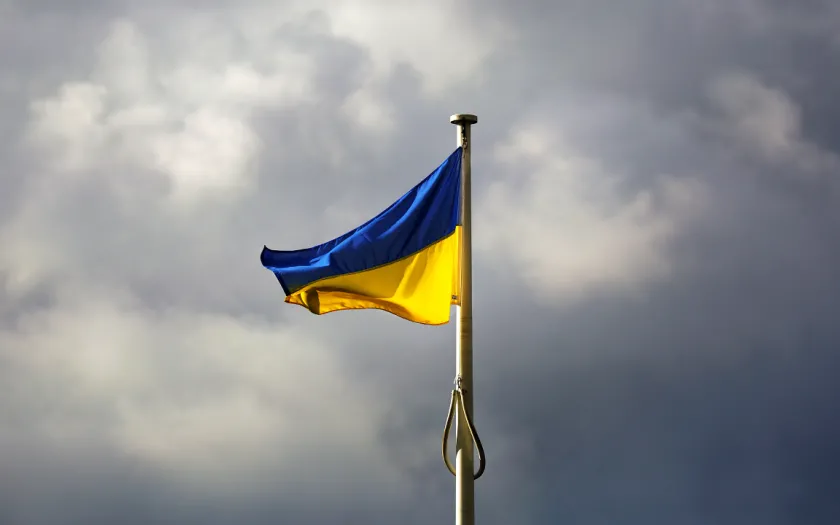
<point>457,400</point>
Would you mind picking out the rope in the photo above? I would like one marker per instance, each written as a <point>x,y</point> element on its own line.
<point>458,399</point>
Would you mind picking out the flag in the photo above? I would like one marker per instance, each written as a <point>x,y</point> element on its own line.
<point>406,260</point>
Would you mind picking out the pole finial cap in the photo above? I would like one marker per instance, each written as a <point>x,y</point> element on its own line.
<point>463,119</point>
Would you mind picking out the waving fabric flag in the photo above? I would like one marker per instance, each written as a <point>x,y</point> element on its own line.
<point>406,260</point>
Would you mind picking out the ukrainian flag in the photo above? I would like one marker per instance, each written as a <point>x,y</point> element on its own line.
<point>406,260</point>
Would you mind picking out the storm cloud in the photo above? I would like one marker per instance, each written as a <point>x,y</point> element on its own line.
<point>656,260</point>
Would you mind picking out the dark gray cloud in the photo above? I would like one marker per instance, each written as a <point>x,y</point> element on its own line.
<point>655,193</point>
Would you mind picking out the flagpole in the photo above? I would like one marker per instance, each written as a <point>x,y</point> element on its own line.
<point>464,481</point>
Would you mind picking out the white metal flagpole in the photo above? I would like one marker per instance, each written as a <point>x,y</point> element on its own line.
<point>464,480</point>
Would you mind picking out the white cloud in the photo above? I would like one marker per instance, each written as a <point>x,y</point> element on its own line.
<point>71,122</point>
<point>766,117</point>
<point>212,149</point>
<point>565,225</point>
<point>437,38</point>
<point>370,110</point>
<point>194,394</point>
<point>768,122</point>
<point>176,115</point>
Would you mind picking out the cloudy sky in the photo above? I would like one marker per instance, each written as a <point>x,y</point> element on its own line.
<point>657,263</point>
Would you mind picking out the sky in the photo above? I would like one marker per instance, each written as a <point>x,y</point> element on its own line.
<point>656,282</point>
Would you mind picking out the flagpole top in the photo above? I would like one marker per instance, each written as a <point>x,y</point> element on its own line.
<point>463,119</point>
